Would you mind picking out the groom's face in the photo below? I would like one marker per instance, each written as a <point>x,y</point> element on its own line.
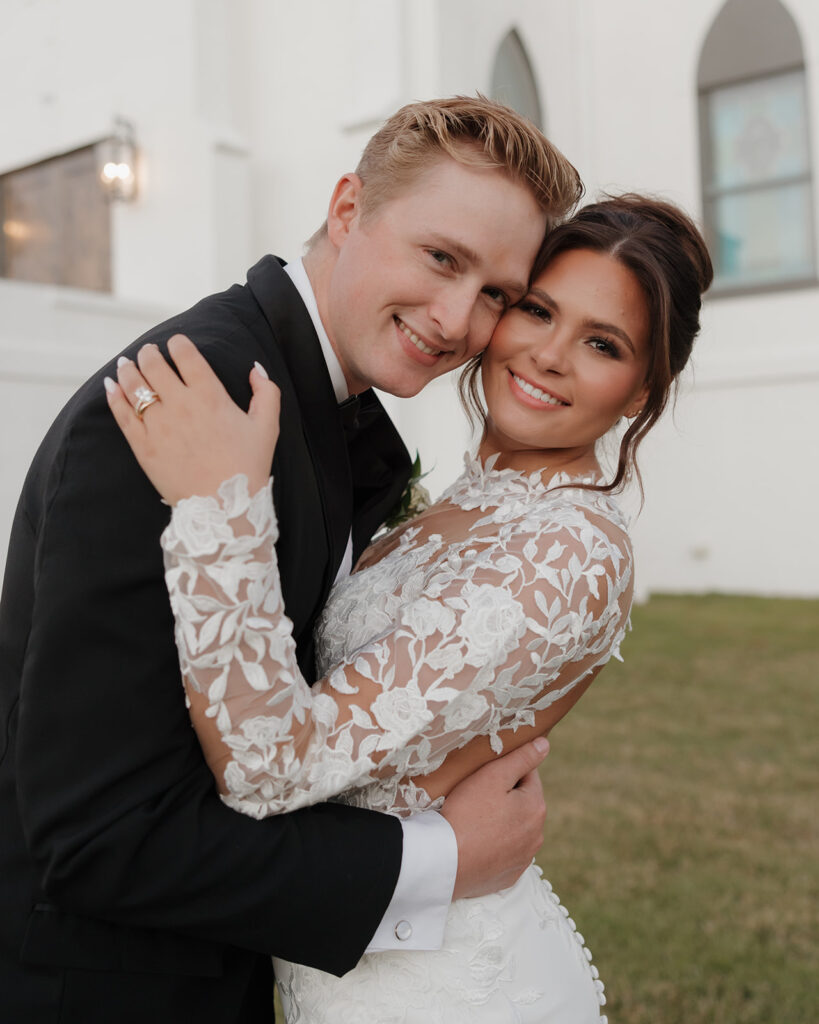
<point>420,283</point>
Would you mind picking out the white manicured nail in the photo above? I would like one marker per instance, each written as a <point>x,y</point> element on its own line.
<point>122,361</point>
<point>110,386</point>
<point>262,370</point>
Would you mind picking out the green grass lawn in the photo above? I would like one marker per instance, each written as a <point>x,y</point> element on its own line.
<point>683,828</point>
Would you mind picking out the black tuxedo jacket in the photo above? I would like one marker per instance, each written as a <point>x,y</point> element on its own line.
<point>128,891</point>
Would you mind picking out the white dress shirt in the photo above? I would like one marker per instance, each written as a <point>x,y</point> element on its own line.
<point>417,913</point>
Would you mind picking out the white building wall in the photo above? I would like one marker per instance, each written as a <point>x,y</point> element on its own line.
<point>247,112</point>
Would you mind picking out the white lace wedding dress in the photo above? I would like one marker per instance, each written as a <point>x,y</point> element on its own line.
<point>465,622</point>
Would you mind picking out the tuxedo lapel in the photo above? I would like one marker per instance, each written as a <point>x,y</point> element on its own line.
<point>320,419</point>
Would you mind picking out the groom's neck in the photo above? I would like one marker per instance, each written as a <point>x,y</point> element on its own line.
<point>319,263</point>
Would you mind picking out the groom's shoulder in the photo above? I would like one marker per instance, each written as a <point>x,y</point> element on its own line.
<point>229,327</point>
<point>227,319</point>
<point>247,321</point>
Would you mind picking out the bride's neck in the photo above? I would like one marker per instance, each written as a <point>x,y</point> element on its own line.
<point>548,462</point>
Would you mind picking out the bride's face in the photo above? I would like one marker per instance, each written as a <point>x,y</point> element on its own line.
<point>567,362</point>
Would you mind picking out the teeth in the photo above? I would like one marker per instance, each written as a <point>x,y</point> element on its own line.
<point>530,389</point>
<point>413,337</point>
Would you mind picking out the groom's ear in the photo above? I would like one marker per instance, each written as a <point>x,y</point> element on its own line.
<point>345,208</point>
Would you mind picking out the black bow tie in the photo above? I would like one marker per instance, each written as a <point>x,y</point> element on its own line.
<point>348,410</point>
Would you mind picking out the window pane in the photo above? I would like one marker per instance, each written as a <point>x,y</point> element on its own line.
<point>31,208</point>
<point>56,223</point>
<point>85,226</point>
<point>757,131</point>
<point>763,237</point>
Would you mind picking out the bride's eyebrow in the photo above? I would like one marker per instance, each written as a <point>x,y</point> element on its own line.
<point>544,297</point>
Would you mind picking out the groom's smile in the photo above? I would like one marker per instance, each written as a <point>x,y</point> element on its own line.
<point>428,355</point>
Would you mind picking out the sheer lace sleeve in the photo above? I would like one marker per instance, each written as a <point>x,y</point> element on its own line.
<point>483,633</point>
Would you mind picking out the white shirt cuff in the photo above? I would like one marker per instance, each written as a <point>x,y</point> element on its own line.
<point>416,916</point>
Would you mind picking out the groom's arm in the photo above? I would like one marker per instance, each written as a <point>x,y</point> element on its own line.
<point>490,828</point>
<point>416,915</point>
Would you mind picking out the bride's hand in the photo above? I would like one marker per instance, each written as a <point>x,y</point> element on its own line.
<point>195,436</point>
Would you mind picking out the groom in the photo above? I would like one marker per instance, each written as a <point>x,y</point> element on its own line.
<point>128,891</point>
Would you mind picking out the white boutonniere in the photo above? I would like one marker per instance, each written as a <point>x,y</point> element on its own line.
<point>414,499</point>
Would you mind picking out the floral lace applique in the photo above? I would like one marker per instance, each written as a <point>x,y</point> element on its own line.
<point>431,646</point>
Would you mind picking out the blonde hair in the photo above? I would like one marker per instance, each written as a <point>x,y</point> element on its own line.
<point>475,131</point>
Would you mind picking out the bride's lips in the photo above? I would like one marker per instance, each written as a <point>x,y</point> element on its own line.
<point>533,395</point>
<point>414,345</point>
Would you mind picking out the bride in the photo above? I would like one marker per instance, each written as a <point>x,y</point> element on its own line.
<point>464,632</point>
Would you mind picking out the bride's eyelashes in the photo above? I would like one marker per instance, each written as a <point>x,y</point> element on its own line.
<point>606,347</point>
<point>535,310</point>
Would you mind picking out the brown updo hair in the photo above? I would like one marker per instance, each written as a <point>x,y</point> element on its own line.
<point>665,251</point>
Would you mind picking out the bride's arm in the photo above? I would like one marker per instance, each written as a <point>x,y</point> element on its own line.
<point>463,762</point>
<point>508,638</point>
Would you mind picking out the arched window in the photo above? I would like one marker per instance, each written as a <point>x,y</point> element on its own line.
<point>756,170</point>
<point>513,82</point>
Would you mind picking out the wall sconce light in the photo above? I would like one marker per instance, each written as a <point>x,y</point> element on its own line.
<point>117,157</point>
